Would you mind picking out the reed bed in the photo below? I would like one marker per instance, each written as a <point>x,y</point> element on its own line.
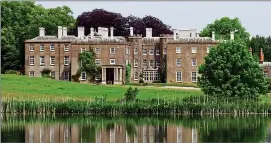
<point>188,105</point>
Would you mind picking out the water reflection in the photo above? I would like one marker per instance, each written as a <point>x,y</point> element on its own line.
<point>134,130</point>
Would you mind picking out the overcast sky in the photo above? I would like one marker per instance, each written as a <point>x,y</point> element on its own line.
<point>255,16</point>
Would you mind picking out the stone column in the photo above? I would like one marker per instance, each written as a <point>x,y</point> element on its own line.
<point>121,80</point>
<point>179,135</point>
<point>103,75</point>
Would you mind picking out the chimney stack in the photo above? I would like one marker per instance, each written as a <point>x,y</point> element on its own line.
<point>261,56</point>
<point>131,31</point>
<point>111,32</point>
<point>213,35</point>
<point>148,32</point>
<point>193,33</point>
<point>42,31</point>
<point>91,32</point>
<point>106,32</point>
<point>65,32</point>
<point>232,35</point>
<point>81,32</point>
<point>59,32</point>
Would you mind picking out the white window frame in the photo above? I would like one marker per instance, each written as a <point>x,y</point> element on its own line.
<point>85,76</point>
<point>178,65</point>
<point>31,48</point>
<point>111,50</point>
<point>135,63</point>
<point>42,47</point>
<point>208,49</point>
<point>135,51</point>
<point>30,73</point>
<point>126,51</point>
<point>112,63</point>
<point>157,52</point>
<point>157,63</point>
<point>136,76</point>
<point>52,47</point>
<point>178,50</point>
<point>96,61</point>
<point>98,51</point>
<point>42,63</point>
<point>64,76</point>
<point>82,50</point>
<point>151,75</point>
<point>66,60</point>
<point>145,64</point>
<point>177,76</point>
<point>151,63</point>
<point>165,51</point>
<point>151,51</point>
<point>194,63</point>
<point>66,48</point>
<point>144,51</point>
<point>192,77</point>
<point>52,63</point>
<point>31,58</point>
<point>193,50</point>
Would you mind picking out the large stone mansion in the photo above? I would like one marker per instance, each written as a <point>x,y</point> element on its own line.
<point>172,58</point>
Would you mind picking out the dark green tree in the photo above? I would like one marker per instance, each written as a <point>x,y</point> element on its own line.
<point>230,71</point>
<point>258,42</point>
<point>223,27</point>
<point>21,21</point>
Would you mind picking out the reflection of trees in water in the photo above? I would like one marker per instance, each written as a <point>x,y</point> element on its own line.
<point>224,129</point>
<point>229,129</point>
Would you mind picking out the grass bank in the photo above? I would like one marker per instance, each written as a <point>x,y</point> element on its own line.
<point>24,87</point>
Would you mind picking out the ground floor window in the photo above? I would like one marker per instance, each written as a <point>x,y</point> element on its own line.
<point>266,74</point>
<point>83,76</point>
<point>178,76</point>
<point>151,75</point>
<point>66,75</point>
<point>31,73</point>
<point>53,75</point>
<point>194,76</point>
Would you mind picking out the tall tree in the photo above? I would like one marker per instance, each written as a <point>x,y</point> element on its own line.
<point>223,27</point>
<point>102,18</point>
<point>22,21</point>
<point>258,42</point>
<point>230,71</point>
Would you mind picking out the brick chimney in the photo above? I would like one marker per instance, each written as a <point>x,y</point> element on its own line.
<point>81,32</point>
<point>42,31</point>
<point>261,56</point>
<point>131,31</point>
<point>59,32</point>
<point>111,32</point>
<point>64,31</point>
<point>175,34</point>
<point>91,32</point>
<point>213,35</point>
<point>232,35</point>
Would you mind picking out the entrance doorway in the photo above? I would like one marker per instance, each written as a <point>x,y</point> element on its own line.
<point>109,75</point>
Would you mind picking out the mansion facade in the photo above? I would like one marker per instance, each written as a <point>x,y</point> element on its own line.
<point>171,58</point>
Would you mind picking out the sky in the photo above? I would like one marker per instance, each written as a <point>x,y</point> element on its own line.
<point>254,16</point>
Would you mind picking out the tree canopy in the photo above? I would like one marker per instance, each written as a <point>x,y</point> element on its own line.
<point>223,27</point>
<point>102,18</point>
<point>230,71</point>
<point>258,42</point>
<point>21,21</point>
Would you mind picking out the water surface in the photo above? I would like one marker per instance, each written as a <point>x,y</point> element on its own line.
<point>76,128</point>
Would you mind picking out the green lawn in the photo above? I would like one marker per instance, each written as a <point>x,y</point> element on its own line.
<point>24,87</point>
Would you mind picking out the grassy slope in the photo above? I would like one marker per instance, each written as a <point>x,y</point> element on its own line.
<point>26,87</point>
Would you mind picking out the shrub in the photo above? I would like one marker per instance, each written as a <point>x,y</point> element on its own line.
<point>11,72</point>
<point>130,95</point>
<point>46,73</point>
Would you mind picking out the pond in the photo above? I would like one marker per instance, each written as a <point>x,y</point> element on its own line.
<point>134,129</point>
